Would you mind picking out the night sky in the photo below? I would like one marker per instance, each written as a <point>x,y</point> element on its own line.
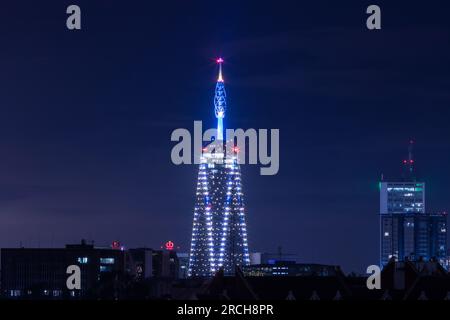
<point>86,118</point>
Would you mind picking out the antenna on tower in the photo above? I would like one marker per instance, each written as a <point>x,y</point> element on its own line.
<point>219,62</point>
<point>409,163</point>
<point>220,102</point>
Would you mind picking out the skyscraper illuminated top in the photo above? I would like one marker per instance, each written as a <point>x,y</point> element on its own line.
<point>407,229</point>
<point>407,196</point>
<point>219,231</point>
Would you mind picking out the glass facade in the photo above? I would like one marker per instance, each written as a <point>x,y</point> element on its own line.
<point>406,230</point>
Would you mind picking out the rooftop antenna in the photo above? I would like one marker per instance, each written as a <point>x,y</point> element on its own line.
<point>409,163</point>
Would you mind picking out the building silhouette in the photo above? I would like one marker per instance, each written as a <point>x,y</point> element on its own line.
<point>110,272</point>
<point>41,272</point>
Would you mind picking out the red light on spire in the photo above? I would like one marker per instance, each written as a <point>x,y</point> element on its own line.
<point>115,245</point>
<point>219,62</point>
<point>169,245</point>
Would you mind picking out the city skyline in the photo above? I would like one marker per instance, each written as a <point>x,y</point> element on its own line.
<point>85,120</point>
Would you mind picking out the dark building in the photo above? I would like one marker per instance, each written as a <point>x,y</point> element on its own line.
<point>140,263</point>
<point>290,269</point>
<point>183,260</point>
<point>271,258</point>
<point>241,287</point>
<point>408,280</point>
<point>145,263</point>
<point>165,264</point>
<point>41,273</point>
<point>414,236</point>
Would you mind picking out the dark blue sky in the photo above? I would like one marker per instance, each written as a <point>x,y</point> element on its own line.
<point>86,117</point>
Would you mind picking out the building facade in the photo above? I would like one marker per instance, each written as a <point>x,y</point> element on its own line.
<point>289,269</point>
<point>414,236</point>
<point>140,263</point>
<point>41,273</point>
<point>407,230</point>
<point>271,258</point>
<point>402,197</point>
<point>183,260</point>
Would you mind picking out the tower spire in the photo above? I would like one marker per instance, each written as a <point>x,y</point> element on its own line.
<point>220,102</point>
<point>220,78</point>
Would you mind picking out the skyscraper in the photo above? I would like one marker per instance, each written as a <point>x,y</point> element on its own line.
<point>406,228</point>
<point>219,232</point>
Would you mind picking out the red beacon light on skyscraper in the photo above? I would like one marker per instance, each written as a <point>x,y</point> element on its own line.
<point>219,60</point>
<point>169,245</point>
<point>115,245</point>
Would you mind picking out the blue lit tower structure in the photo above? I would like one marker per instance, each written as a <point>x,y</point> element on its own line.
<point>219,232</point>
<point>220,102</point>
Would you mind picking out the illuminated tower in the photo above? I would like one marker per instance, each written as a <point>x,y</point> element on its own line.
<point>407,229</point>
<point>219,232</point>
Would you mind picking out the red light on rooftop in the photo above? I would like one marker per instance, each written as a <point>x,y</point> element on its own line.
<point>219,60</point>
<point>169,245</point>
<point>115,245</point>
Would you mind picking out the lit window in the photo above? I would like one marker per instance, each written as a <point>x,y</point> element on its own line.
<point>386,234</point>
<point>105,268</point>
<point>107,260</point>
<point>15,293</point>
<point>82,260</point>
